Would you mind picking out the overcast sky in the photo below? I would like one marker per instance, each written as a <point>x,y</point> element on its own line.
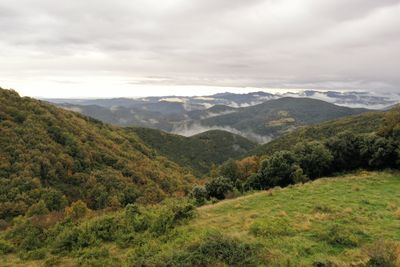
<point>105,48</point>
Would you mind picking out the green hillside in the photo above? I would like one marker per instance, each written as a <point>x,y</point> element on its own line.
<point>199,152</point>
<point>275,117</point>
<point>342,221</point>
<point>358,124</point>
<point>56,156</point>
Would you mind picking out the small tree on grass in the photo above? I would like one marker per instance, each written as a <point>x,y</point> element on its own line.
<point>218,187</point>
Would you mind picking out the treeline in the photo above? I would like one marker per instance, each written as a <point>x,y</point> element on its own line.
<point>307,161</point>
<point>51,157</point>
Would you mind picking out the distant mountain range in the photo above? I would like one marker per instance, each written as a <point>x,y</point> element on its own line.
<point>258,116</point>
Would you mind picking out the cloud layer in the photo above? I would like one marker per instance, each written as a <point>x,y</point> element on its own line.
<point>332,44</point>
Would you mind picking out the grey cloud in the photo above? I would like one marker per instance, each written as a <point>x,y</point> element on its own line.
<point>258,43</point>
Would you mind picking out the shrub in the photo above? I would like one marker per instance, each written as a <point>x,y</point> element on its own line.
<point>199,194</point>
<point>218,187</point>
<point>96,257</point>
<point>26,235</point>
<point>314,158</point>
<point>171,214</point>
<point>135,220</point>
<point>103,228</point>
<point>5,247</point>
<point>280,170</point>
<point>214,249</point>
<point>37,254</point>
<point>77,210</point>
<point>38,209</point>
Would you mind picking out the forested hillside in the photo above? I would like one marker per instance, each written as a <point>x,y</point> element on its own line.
<point>199,152</point>
<point>358,124</point>
<point>50,157</point>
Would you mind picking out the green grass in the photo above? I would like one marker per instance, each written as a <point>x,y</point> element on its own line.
<point>332,220</point>
<point>300,223</point>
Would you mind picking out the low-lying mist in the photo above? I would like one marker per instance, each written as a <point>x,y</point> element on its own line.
<point>190,129</point>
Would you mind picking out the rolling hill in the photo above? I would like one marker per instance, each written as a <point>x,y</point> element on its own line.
<point>58,156</point>
<point>199,152</point>
<point>271,119</point>
<point>358,124</point>
<point>257,116</point>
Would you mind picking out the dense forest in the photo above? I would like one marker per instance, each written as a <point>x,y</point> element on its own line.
<point>200,152</point>
<point>51,157</point>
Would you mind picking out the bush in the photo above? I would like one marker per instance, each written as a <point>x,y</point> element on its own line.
<point>199,194</point>
<point>77,210</point>
<point>135,220</point>
<point>170,215</point>
<point>37,209</point>
<point>281,169</point>
<point>97,257</point>
<point>383,253</point>
<point>214,249</point>
<point>218,187</point>
<point>314,158</point>
<point>37,254</point>
<point>103,228</point>
<point>5,247</point>
<point>25,235</point>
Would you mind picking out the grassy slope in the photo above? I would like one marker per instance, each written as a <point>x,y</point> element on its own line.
<point>300,219</point>
<point>197,152</point>
<point>369,202</point>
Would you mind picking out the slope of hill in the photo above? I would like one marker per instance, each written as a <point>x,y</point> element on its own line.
<point>199,152</point>
<point>272,118</point>
<point>260,123</point>
<point>343,221</point>
<point>358,124</point>
<point>58,156</point>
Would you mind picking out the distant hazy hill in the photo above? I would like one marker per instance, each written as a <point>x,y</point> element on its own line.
<point>198,152</point>
<point>50,154</point>
<point>243,114</point>
<point>270,119</point>
<point>363,123</point>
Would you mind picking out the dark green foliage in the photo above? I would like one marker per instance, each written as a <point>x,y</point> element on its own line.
<point>230,170</point>
<point>314,158</point>
<point>57,156</point>
<point>199,152</point>
<point>281,169</point>
<point>5,247</point>
<point>215,248</point>
<point>37,254</point>
<point>39,208</point>
<point>199,194</point>
<point>218,187</point>
<point>359,124</point>
<point>97,257</point>
<point>171,214</point>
